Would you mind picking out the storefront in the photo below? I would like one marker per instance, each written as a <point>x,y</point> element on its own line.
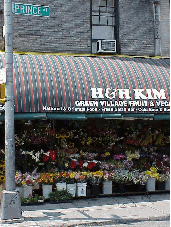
<point>91,119</point>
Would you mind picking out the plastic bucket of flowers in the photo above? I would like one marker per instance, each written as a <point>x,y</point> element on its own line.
<point>60,179</point>
<point>107,182</point>
<point>152,176</point>
<point>46,179</point>
<point>81,184</point>
<point>71,186</point>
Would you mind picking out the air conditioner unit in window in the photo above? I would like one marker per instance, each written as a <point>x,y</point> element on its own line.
<point>108,46</point>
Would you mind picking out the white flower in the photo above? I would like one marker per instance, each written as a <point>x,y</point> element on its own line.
<point>85,164</point>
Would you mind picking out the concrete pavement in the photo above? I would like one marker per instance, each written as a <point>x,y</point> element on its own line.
<point>97,211</point>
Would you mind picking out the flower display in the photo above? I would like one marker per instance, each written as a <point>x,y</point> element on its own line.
<point>46,178</point>
<point>152,173</point>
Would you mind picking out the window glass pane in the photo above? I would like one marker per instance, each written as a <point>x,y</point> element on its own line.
<point>110,3</point>
<point>95,19</point>
<point>102,9</point>
<point>103,20</point>
<point>102,2</point>
<point>110,20</point>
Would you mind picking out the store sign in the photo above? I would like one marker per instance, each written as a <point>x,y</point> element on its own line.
<point>28,9</point>
<point>119,101</point>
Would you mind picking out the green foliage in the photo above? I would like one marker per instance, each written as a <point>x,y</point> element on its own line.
<point>58,196</point>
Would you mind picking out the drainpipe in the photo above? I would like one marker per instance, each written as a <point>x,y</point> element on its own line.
<point>157,31</point>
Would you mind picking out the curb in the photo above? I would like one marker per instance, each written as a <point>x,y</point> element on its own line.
<point>123,221</point>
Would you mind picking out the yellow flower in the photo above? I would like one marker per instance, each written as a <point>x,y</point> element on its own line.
<point>23,182</point>
<point>107,153</point>
<point>153,169</point>
<point>72,175</point>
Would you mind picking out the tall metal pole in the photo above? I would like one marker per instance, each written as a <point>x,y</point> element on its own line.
<point>11,204</point>
<point>9,103</point>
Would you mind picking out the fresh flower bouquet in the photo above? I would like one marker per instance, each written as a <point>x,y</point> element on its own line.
<point>46,178</point>
<point>152,173</point>
<point>108,176</point>
<point>81,177</point>
<point>162,177</point>
<point>122,176</point>
<point>95,177</point>
<point>61,177</point>
<point>140,178</point>
<point>71,178</point>
<point>29,178</point>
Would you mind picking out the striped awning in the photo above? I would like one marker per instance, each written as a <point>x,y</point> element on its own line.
<point>70,84</point>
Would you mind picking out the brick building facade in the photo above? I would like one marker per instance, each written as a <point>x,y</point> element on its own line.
<point>76,26</point>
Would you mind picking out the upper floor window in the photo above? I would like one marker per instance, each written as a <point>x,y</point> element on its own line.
<point>103,12</point>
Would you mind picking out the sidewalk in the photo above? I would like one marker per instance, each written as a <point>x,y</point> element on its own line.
<point>97,211</point>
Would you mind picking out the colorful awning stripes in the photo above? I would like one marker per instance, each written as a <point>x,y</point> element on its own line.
<point>52,83</point>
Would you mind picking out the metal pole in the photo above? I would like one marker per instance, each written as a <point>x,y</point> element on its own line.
<point>9,103</point>
<point>11,203</point>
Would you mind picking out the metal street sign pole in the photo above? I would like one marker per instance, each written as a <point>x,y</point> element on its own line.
<point>11,204</point>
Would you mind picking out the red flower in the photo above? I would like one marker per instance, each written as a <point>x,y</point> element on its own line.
<point>46,158</point>
<point>73,164</point>
<point>27,181</point>
<point>91,165</point>
<point>52,155</point>
<point>81,164</point>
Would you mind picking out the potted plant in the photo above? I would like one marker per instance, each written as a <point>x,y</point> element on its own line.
<point>60,196</point>
<point>41,199</point>
<point>46,179</point>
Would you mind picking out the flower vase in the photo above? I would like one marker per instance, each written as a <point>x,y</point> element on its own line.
<point>107,187</point>
<point>71,188</point>
<point>167,184</point>
<point>150,184</point>
<point>27,190</point>
<point>20,190</point>
<point>61,186</point>
<point>47,188</point>
<point>95,190</point>
<point>81,189</point>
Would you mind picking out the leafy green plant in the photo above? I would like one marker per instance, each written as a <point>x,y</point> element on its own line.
<point>57,196</point>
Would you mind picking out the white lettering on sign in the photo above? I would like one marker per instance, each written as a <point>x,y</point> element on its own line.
<point>125,93</point>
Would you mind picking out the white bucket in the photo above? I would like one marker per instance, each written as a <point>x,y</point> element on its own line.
<point>47,188</point>
<point>167,184</point>
<point>150,184</point>
<point>61,186</point>
<point>71,188</point>
<point>81,189</point>
<point>107,187</point>
<point>27,191</point>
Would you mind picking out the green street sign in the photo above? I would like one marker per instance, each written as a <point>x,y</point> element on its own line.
<point>28,9</point>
